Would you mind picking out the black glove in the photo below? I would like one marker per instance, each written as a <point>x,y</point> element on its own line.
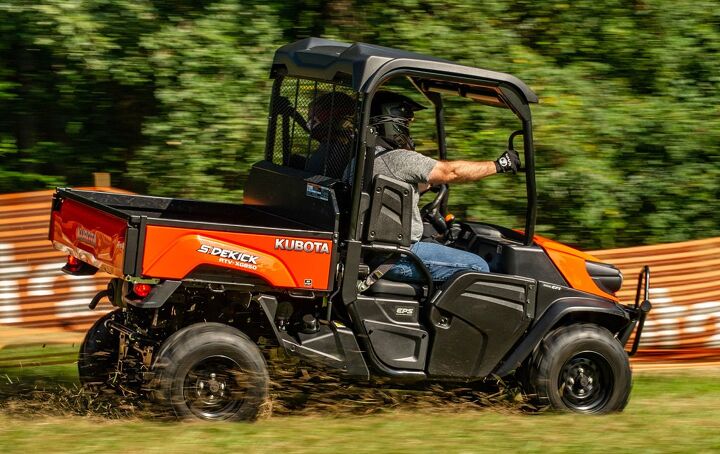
<point>508,162</point>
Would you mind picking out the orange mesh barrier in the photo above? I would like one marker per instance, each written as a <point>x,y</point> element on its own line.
<point>36,297</point>
<point>684,291</point>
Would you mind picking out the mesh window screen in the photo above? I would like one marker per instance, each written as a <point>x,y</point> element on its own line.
<point>311,126</point>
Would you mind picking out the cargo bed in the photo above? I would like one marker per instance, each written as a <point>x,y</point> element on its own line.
<point>155,237</point>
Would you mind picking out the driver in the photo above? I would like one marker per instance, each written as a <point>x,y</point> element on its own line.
<point>395,156</point>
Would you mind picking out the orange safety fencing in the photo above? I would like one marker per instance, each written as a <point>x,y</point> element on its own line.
<point>684,324</point>
<point>38,300</point>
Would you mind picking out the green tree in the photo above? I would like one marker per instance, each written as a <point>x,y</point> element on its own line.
<point>170,97</point>
<point>211,82</point>
<point>76,89</point>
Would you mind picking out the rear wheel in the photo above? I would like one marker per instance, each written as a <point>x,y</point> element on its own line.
<point>98,355</point>
<point>213,372</point>
<point>581,368</point>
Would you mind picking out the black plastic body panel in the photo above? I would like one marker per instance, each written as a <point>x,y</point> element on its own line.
<point>293,194</point>
<point>457,348</point>
<point>505,252</point>
<point>529,261</point>
<point>333,346</point>
<point>549,294</point>
<point>608,278</point>
<point>390,212</point>
<point>476,320</point>
<point>394,331</point>
<point>380,368</point>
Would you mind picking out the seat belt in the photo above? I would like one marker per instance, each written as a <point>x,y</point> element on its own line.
<point>378,273</point>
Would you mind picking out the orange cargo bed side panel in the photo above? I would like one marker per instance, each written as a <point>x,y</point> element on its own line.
<point>283,261</point>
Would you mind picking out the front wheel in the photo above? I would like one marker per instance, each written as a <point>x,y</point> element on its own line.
<point>581,368</point>
<point>213,372</point>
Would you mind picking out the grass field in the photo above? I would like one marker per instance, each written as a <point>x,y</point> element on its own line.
<point>671,411</point>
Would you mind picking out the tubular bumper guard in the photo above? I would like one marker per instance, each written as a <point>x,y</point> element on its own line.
<point>639,310</point>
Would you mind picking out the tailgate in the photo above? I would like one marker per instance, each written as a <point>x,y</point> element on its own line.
<point>93,233</point>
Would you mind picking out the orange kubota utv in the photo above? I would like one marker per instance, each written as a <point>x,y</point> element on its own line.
<point>199,286</point>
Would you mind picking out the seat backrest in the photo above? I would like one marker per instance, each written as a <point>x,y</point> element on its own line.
<point>390,212</point>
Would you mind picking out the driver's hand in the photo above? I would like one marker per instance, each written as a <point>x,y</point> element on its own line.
<point>508,162</point>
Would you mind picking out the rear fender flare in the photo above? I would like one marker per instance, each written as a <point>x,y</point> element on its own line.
<point>601,312</point>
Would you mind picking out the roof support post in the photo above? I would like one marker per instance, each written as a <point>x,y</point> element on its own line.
<point>529,150</point>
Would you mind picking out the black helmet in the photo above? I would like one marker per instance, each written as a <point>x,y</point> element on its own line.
<point>390,116</point>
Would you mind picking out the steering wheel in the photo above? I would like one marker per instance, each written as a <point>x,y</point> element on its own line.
<point>431,211</point>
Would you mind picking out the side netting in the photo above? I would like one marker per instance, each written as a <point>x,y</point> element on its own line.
<point>312,126</point>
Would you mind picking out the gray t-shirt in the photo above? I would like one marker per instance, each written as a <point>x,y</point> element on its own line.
<point>410,167</point>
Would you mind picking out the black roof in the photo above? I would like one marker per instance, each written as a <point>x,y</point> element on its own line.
<point>365,64</point>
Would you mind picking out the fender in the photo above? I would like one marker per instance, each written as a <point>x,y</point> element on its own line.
<point>613,317</point>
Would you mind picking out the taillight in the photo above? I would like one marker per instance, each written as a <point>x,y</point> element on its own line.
<point>73,264</point>
<point>142,290</point>
<point>77,267</point>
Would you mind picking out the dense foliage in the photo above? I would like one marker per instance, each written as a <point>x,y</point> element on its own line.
<point>171,97</point>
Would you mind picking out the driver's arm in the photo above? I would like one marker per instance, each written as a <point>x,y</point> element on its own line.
<point>460,171</point>
<point>463,171</point>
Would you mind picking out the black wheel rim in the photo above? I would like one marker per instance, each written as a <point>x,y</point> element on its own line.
<point>214,388</point>
<point>586,382</point>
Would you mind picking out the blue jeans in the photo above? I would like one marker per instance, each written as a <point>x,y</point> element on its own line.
<point>441,261</point>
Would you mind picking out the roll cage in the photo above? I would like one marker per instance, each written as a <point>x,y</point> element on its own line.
<point>365,67</point>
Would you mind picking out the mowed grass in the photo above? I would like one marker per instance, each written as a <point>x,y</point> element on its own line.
<point>671,411</point>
